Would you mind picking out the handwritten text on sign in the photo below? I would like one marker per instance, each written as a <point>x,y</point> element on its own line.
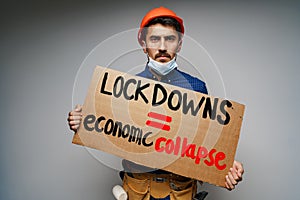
<point>145,121</point>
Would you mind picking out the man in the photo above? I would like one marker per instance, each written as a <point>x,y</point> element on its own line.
<point>160,36</point>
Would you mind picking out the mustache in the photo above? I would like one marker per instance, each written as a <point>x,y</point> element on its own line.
<point>162,55</point>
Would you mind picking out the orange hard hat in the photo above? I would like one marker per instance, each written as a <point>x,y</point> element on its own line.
<point>159,12</point>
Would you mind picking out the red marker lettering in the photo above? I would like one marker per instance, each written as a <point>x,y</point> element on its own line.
<point>170,146</point>
<point>157,144</point>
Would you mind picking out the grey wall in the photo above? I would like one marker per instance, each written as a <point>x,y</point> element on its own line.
<point>255,46</point>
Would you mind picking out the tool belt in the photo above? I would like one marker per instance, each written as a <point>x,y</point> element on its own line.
<point>140,186</point>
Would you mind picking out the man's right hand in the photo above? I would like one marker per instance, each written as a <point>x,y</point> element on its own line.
<point>75,117</point>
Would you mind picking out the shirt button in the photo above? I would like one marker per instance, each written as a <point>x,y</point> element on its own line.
<point>169,80</point>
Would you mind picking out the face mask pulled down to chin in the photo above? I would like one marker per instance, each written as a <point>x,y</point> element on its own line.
<point>162,68</point>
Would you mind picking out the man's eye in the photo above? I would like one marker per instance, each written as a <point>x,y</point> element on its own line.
<point>154,39</point>
<point>171,39</point>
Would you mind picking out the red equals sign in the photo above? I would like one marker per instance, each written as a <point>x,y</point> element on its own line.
<point>159,125</point>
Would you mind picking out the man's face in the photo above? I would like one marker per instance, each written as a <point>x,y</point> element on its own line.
<point>162,43</point>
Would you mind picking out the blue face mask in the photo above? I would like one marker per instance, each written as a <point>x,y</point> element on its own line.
<point>162,68</point>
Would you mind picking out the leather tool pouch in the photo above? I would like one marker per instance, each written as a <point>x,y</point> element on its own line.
<point>137,189</point>
<point>144,185</point>
<point>160,186</point>
<point>183,190</point>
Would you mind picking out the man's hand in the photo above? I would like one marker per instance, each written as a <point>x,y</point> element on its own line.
<point>234,175</point>
<point>75,117</point>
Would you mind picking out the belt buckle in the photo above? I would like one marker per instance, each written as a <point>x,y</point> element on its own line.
<point>159,179</point>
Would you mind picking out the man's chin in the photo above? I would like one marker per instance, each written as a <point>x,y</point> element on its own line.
<point>163,59</point>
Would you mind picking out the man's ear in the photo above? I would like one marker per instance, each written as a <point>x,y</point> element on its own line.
<point>179,45</point>
<point>144,46</point>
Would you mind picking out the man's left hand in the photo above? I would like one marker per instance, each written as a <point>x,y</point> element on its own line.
<point>234,175</point>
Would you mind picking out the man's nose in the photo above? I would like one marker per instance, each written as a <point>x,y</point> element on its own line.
<point>162,46</point>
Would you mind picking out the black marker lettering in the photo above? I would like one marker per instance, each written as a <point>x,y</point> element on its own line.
<point>119,93</point>
<point>222,108</point>
<point>155,95</point>
<point>133,81</point>
<point>138,91</point>
<point>97,124</point>
<point>145,138</point>
<point>88,120</point>
<point>179,100</point>
<point>186,106</point>
<point>103,85</point>
<point>208,109</point>
<point>109,127</point>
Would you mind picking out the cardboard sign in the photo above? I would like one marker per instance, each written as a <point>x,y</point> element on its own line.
<point>160,126</point>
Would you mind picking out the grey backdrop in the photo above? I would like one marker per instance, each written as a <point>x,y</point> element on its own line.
<point>43,43</point>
